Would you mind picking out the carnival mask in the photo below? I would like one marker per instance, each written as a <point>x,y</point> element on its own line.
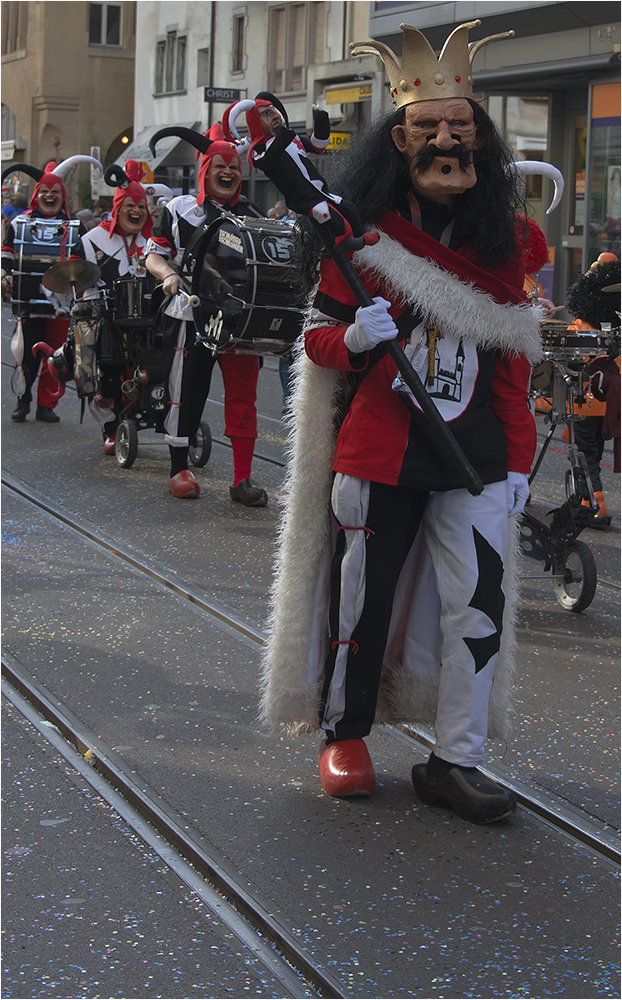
<point>132,217</point>
<point>271,120</point>
<point>222,180</point>
<point>437,140</point>
<point>50,200</point>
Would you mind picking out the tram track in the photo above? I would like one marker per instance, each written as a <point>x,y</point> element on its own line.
<point>261,928</point>
<point>555,812</point>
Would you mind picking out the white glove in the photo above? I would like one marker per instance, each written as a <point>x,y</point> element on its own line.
<point>371,326</point>
<point>517,486</point>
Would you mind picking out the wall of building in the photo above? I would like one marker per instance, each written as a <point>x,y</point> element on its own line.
<point>65,94</point>
<point>213,67</point>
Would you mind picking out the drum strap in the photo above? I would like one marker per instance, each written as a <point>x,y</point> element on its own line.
<point>65,242</point>
<point>192,243</point>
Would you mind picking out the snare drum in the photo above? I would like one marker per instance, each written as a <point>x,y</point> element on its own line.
<point>243,279</point>
<point>39,243</point>
<point>562,344</point>
<point>97,342</point>
<point>132,301</point>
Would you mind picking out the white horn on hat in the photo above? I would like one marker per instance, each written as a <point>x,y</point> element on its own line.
<point>233,113</point>
<point>62,169</point>
<point>525,167</point>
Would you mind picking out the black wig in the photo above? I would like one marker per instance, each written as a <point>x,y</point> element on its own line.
<point>374,175</point>
<point>587,301</point>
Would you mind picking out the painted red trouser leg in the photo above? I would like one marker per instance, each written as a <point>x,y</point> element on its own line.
<point>48,392</point>
<point>239,375</point>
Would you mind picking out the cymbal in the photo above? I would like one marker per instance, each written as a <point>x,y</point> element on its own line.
<point>612,288</point>
<point>71,276</point>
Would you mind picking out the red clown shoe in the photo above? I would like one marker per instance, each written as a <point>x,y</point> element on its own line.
<point>184,485</point>
<point>346,769</point>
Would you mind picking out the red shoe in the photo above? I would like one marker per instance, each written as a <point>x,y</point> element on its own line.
<point>109,446</point>
<point>184,485</point>
<point>346,769</point>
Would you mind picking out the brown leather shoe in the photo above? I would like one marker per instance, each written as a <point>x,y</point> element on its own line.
<point>346,769</point>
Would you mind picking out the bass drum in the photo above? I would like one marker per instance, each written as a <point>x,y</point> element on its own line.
<point>242,277</point>
<point>39,243</point>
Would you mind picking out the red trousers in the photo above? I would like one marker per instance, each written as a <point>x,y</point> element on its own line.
<point>51,331</point>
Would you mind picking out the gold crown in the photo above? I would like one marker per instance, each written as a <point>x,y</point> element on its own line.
<point>421,76</point>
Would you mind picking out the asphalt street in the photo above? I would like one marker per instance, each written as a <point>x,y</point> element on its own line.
<point>405,900</point>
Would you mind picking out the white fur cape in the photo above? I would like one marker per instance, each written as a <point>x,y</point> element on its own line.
<point>297,644</point>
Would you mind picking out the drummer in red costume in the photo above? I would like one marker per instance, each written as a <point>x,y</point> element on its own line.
<point>190,364</point>
<point>48,324</point>
<point>398,607</point>
<point>116,245</point>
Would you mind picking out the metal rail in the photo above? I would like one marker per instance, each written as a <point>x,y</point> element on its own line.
<point>565,818</point>
<point>255,920</point>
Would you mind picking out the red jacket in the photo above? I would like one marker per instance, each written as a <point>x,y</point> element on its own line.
<point>385,440</point>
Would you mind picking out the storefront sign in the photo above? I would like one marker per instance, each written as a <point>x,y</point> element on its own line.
<point>339,140</point>
<point>350,94</point>
<point>220,95</point>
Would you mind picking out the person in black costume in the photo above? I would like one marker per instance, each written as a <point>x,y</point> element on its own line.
<point>281,154</point>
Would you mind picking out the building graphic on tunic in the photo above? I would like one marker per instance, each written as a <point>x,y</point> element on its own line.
<point>447,383</point>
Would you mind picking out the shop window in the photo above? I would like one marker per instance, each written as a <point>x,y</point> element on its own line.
<point>296,32</point>
<point>14,25</point>
<point>524,123</point>
<point>577,221</point>
<point>203,75</point>
<point>604,172</point>
<point>238,42</point>
<point>170,67</point>
<point>180,179</point>
<point>105,24</point>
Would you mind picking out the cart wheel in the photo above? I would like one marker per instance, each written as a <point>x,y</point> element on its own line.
<point>576,572</point>
<point>201,446</point>
<point>126,444</point>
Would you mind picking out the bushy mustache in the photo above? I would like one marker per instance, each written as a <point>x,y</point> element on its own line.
<point>424,159</point>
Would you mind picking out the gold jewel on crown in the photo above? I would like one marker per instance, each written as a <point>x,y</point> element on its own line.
<point>421,76</point>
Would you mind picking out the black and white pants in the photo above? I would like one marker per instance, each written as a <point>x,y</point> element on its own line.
<point>467,540</point>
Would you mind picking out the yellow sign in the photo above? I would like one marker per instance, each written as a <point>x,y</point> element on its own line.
<point>339,140</point>
<point>349,95</point>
